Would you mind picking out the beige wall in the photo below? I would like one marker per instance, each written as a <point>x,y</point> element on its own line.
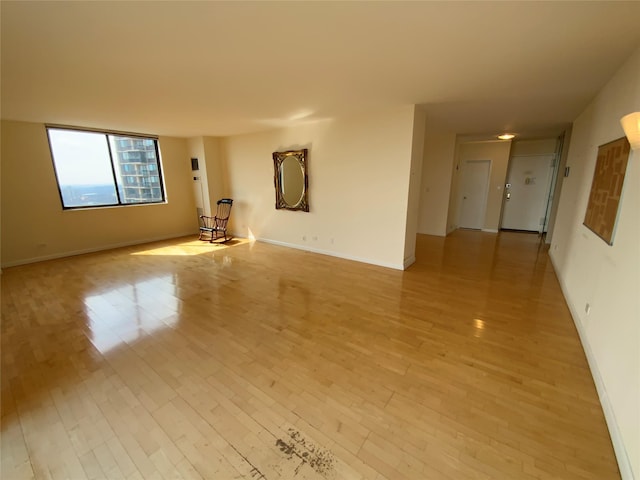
<point>498,153</point>
<point>0,200</point>
<point>437,169</point>
<point>34,226</point>
<point>359,171</point>
<point>216,171</point>
<point>542,146</point>
<point>211,186</point>
<point>557,189</point>
<point>606,277</point>
<point>415,180</point>
<point>200,186</point>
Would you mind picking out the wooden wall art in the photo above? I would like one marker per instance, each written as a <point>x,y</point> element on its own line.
<point>604,199</point>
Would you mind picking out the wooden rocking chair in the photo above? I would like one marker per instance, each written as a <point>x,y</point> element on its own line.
<point>213,228</point>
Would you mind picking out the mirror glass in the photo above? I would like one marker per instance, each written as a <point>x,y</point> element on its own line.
<point>292,181</point>
<point>290,178</point>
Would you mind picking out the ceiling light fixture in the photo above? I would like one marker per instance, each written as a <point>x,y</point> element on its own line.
<point>506,136</point>
<point>631,125</point>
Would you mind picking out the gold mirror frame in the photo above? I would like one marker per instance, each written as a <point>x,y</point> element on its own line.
<point>279,179</point>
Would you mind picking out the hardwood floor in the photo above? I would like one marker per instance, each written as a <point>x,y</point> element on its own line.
<point>186,360</point>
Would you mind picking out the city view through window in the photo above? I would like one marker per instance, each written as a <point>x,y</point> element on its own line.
<point>99,169</point>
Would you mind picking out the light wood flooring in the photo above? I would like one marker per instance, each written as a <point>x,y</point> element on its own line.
<point>184,360</point>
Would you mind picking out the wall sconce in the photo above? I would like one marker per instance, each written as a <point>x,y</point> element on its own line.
<point>631,125</point>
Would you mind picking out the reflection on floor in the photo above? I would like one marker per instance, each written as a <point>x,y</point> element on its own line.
<point>187,360</point>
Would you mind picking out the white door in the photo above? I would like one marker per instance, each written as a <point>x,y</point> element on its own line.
<point>474,183</point>
<point>527,192</point>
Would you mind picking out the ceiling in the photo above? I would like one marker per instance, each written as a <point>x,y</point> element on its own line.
<point>225,68</point>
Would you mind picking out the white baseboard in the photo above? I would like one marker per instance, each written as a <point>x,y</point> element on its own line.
<point>624,464</point>
<point>332,254</point>
<point>100,248</point>
<point>409,261</point>
<point>490,230</point>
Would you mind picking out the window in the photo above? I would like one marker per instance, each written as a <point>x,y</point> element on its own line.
<point>92,168</point>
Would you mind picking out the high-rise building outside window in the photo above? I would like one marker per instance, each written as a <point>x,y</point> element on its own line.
<point>92,168</point>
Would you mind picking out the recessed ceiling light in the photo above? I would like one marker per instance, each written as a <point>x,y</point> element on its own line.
<point>506,136</point>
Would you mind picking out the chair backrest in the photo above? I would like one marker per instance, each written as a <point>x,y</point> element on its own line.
<point>223,211</point>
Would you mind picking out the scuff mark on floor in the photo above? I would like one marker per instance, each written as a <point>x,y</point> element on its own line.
<point>319,459</point>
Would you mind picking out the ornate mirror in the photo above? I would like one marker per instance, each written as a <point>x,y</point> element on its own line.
<point>290,178</point>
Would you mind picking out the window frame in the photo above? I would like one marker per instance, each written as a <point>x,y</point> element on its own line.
<point>114,135</point>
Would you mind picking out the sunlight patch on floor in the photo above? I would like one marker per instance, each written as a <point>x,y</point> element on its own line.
<point>191,247</point>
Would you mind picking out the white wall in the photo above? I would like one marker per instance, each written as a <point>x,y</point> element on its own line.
<point>437,169</point>
<point>498,153</point>
<point>606,277</point>
<point>35,227</point>
<point>359,170</point>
